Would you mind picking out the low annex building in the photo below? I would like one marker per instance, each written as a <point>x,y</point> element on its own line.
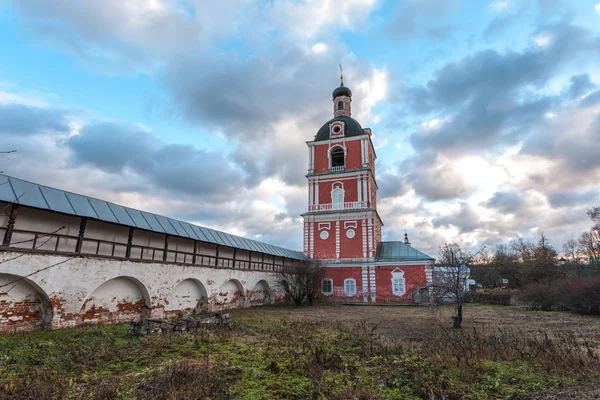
<point>342,229</point>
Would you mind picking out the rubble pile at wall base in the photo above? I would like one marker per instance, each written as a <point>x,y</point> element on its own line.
<point>186,324</point>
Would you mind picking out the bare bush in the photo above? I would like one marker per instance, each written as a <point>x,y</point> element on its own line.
<point>577,295</point>
<point>300,282</point>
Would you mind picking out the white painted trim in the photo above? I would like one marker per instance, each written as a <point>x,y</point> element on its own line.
<point>330,280</point>
<point>358,190</point>
<point>366,194</point>
<point>312,240</point>
<point>372,283</point>
<point>365,283</point>
<point>398,275</point>
<point>350,224</point>
<point>364,237</point>
<point>317,193</point>
<point>353,292</point>
<point>324,225</point>
<point>337,239</point>
<point>337,140</point>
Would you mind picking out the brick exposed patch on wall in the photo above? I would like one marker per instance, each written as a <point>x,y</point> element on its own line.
<point>69,287</point>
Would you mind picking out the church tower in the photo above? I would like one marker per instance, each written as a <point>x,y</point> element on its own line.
<point>342,229</point>
<point>342,222</point>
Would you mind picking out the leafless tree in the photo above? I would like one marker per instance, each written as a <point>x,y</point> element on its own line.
<point>301,281</point>
<point>589,242</point>
<point>451,277</point>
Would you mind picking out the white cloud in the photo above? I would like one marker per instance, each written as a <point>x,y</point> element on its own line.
<point>543,39</point>
<point>598,8</point>
<point>499,5</point>
<point>369,92</point>
<point>309,18</point>
<point>319,48</point>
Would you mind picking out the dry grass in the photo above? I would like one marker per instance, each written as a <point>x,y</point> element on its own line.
<point>317,353</point>
<point>412,324</point>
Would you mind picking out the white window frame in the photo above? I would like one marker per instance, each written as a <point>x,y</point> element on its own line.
<point>398,276</point>
<point>350,292</point>
<point>322,282</point>
<point>330,158</point>
<point>337,192</point>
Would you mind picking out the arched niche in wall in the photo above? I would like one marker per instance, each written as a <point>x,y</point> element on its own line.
<point>23,305</point>
<point>260,294</point>
<point>120,299</point>
<point>231,295</point>
<point>187,297</point>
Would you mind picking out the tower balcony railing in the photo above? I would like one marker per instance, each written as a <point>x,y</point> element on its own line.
<point>339,168</point>
<point>338,206</point>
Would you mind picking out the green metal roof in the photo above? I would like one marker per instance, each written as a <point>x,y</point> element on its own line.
<point>47,198</point>
<point>399,251</point>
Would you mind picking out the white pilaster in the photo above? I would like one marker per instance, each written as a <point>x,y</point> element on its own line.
<point>372,283</point>
<point>364,237</point>
<point>337,239</point>
<point>365,283</point>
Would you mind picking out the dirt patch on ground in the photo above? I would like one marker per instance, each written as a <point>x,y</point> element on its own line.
<point>410,324</point>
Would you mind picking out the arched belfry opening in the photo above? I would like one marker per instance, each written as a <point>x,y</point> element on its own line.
<point>338,158</point>
<point>340,105</point>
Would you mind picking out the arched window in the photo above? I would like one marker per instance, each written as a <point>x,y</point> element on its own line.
<point>350,286</point>
<point>398,282</point>
<point>340,105</point>
<point>338,159</point>
<point>337,198</point>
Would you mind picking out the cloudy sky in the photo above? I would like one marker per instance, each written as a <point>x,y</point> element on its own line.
<point>485,114</point>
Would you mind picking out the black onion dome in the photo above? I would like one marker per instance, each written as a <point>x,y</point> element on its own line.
<point>342,91</point>
<point>353,128</point>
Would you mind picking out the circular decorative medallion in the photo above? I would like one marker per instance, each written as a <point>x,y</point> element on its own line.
<point>350,233</point>
<point>324,235</point>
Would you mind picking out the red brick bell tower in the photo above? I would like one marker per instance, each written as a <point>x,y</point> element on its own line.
<point>342,223</point>
<point>342,229</point>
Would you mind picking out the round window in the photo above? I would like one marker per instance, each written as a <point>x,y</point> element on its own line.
<point>324,235</point>
<point>337,129</point>
<point>350,233</point>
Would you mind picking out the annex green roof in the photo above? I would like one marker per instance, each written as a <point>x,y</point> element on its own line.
<point>399,251</point>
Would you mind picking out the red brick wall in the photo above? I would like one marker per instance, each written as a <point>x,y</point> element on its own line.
<point>321,160</point>
<point>339,274</point>
<point>325,248</point>
<point>351,248</point>
<point>325,188</point>
<point>353,156</point>
<point>414,276</point>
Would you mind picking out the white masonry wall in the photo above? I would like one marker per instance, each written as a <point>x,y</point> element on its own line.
<point>85,289</point>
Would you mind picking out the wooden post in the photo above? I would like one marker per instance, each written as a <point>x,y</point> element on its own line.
<point>234,253</point>
<point>249,259</point>
<point>217,257</point>
<point>166,248</point>
<point>262,264</point>
<point>82,226</point>
<point>129,243</point>
<point>14,210</point>
<point>195,251</point>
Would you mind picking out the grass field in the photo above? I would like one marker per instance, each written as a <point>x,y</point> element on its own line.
<point>323,352</point>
